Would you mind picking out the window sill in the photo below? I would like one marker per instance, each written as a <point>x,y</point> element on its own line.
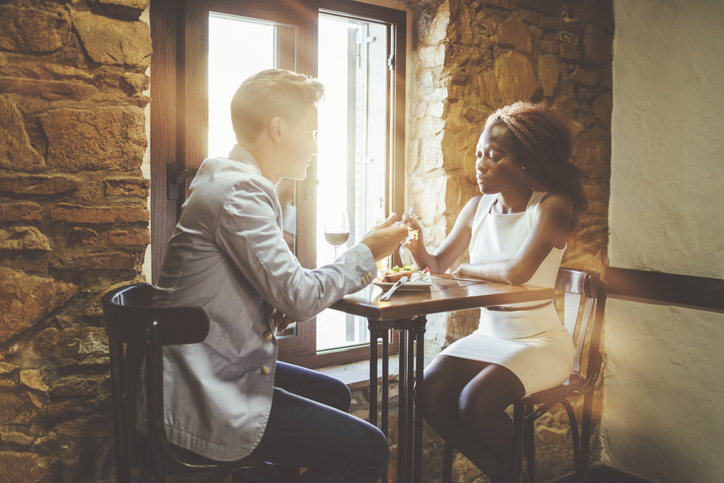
<point>357,374</point>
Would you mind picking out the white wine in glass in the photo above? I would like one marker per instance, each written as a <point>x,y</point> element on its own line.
<point>336,229</point>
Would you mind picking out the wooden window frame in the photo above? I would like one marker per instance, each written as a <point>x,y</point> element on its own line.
<point>179,121</point>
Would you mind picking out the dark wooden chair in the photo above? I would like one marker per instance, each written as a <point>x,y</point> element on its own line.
<point>137,332</point>
<point>585,300</point>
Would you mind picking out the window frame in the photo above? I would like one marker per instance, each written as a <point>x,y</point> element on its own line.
<point>179,122</point>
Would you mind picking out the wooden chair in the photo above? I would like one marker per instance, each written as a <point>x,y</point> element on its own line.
<point>137,332</point>
<point>585,300</point>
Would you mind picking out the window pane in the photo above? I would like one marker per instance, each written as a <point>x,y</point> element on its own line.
<point>238,48</point>
<point>351,163</point>
<point>231,60</point>
<point>333,162</point>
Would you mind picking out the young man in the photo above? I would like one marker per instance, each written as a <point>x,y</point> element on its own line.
<point>228,397</point>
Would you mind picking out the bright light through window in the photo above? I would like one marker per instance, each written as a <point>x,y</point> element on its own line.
<point>335,329</point>
<point>351,139</point>
<point>230,62</point>
<point>332,157</point>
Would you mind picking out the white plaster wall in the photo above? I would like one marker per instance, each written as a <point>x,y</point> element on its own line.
<point>663,416</point>
<point>668,136</point>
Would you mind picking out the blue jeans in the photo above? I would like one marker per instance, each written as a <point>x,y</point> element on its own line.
<point>309,427</point>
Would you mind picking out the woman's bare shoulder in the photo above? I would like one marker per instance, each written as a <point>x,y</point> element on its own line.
<point>470,208</point>
<point>556,204</point>
<point>473,203</point>
<point>554,217</point>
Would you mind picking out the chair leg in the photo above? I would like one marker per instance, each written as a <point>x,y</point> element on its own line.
<point>516,450</point>
<point>157,470</point>
<point>576,439</point>
<point>123,474</point>
<point>447,461</point>
<point>267,470</point>
<point>529,443</point>
<point>586,434</point>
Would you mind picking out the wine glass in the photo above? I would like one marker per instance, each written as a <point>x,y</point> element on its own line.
<point>336,229</point>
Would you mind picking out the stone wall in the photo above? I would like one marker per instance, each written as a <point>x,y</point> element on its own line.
<point>472,57</point>
<point>73,216</point>
<point>73,223</point>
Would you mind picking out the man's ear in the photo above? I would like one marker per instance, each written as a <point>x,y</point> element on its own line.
<point>276,127</point>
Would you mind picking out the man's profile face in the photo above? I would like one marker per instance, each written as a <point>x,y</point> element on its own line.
<point>299,144</point>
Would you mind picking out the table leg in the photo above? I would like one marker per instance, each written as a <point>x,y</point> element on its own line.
<point>373,372</point>
<point>385,380</point>
<point>411,409</point>
<point>402,445</point>
<point>385,386</point>
<point>419,370</point>
<point>412,363</point>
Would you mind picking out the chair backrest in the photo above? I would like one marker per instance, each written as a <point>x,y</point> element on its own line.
<point>585,300</point>
<point>137,332</point>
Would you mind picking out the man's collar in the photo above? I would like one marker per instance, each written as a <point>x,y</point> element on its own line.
<point>238,153</point>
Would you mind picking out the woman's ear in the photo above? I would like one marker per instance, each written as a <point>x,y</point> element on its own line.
<point>276,129</point>
<point>534,182</point>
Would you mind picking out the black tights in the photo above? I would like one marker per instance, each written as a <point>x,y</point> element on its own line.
<point>464,401</point>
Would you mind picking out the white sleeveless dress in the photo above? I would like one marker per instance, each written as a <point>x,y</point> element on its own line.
<point>532,343</point>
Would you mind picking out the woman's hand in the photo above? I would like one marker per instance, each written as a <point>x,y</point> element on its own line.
<point>414,241</point>
<point>453,246</point>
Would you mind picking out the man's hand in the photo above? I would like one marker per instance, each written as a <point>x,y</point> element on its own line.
<point>279,320</point>
<point>386,237</point>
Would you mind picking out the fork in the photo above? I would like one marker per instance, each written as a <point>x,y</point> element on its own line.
<point>386,296</point>
<point>402,246</point>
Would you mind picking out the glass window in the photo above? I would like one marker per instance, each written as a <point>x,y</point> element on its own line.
<point>352,148</point>
<point>351,47</point>
<point>227,67</point>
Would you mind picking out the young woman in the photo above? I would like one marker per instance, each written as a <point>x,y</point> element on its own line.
<point>516,233</point>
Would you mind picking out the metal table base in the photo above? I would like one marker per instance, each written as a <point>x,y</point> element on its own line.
<point>411,359</point>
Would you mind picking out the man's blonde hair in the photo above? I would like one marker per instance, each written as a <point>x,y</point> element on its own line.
<point>269,94</point>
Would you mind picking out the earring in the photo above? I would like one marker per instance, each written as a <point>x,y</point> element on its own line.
<point>522,168</point>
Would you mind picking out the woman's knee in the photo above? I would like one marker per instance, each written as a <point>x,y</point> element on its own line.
<point>489,395</point>
<point>442,385</point>
<point>433,394</point>
<point>472,407</point>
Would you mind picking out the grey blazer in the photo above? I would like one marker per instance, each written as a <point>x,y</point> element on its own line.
<point>228,256</point>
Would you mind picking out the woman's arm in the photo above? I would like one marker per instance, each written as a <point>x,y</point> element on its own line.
<point>454,245</point>
<point>550,229</point>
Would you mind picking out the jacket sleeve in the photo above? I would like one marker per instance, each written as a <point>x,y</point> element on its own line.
<point>249,233</point>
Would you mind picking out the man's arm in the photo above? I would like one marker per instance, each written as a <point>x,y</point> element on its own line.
<point>249,234</point>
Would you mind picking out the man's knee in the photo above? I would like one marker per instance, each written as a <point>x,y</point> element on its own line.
<point>342,396</point>
<point>380,455</point>
<point>376,447</point>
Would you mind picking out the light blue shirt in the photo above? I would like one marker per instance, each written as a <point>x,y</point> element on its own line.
<point>228,256</point>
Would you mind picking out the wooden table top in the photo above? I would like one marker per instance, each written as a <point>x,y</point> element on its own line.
<point>445,295</point>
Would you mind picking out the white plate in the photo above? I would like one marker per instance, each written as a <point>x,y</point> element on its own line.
<point>411,286</point>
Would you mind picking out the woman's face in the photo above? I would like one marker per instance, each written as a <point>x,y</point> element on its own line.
<point>496,165</point>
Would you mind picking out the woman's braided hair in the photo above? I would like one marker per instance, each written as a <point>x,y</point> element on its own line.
<point>543,144</point>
